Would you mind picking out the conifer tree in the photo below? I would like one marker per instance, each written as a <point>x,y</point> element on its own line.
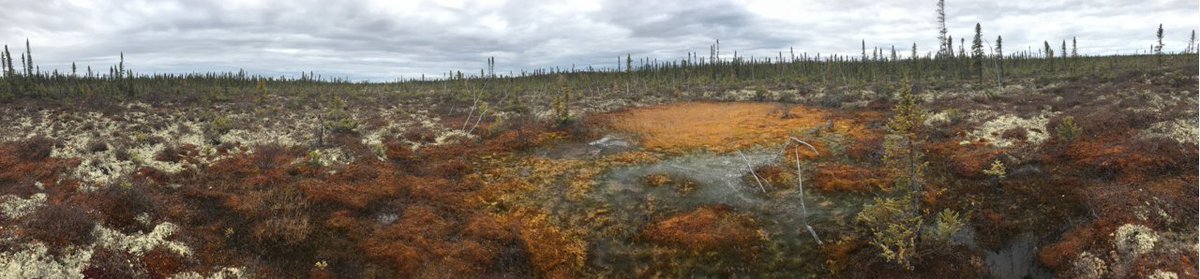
<point>1064,49</point>
<point>29,59</point>
<point>121,65</point>
<point>1049,51</point>
<point>628,63</point>
<point>1158,49</point>
<point>999,47</point>
<point>1000,58</point>
<point>943,40</point>
<point>950,46</point>
<point>1192,43</point>
<point>962,51</point>
<point>977,51</point>
<point>8,56</point>
<point>905,163</point>
<point>914,52</point>
<point>864,50</point>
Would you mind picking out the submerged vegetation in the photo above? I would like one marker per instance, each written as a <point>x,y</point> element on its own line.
<point>1017,164</point>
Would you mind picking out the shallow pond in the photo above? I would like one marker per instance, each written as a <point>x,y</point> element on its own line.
<point>628,204</point>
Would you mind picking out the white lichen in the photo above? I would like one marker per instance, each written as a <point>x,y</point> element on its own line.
<point>1159,274</point>
<point>223,273</point>
<point>1183,130</point>
<point>1133,240</point>
<point>139,243</point>
<point>1089,266</point>
<point>991,132</point>
<point>15,207</point>
<point>938,119</point>
<point>452,136</point>
<point>329,157</point>
<point>34,262</point>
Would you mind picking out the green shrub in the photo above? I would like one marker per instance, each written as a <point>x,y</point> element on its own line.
<point>337,119</point>
<point>221,125</point>
<point>1068,130</point>
<point>948,223</point>
<point>893,226</point>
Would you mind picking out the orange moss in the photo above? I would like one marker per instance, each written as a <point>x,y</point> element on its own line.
<point>162,263</point>
<point>683,185</point>
<point>353,195</point>
<point>412,241</point>
<point>719,127</point>
<point>709,228</point>
<point>844,178</point>
<point>290,230</point>
<point>554,252</point>
<point>1132,160</point>
<point>484,226</point>
<point>657,179</point>
<point>967,161</point>
<point>343,220</point>
<point>1059,255</point>
<point>777,177</point>
<point>838,253</point>
<point>636,157</point>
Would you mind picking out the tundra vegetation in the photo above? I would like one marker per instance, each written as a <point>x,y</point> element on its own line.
<point>923,166</point>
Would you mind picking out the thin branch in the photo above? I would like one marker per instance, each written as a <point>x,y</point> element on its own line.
<point>748,166</point>
<point>800,184</point>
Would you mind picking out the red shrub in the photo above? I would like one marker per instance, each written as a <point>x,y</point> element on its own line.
<point>162,263</point>
<point>843,178</point>
<point>35,149</point>
<point>119,206</point>
<point>60,225</point>
<point>1059,255</point>
<point>107,263</point>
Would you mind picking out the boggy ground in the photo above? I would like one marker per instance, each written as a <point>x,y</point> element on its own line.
<point>1099,181</point>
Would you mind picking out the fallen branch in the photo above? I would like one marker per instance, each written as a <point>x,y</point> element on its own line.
<point>482,112</point>
<point>800,184</point>
<point>748,166</point>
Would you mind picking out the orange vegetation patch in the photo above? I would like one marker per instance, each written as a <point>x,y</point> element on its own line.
<point>719,127</point>
<point>843,178</point>
<point>553,251</point>
<point>709,228</point>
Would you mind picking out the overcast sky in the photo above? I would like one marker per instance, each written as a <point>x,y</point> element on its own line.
<point>386,39</point>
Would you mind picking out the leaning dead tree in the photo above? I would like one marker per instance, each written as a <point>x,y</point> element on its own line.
<point>800,185</point>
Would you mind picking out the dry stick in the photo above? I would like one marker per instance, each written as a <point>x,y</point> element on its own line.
<point>800,184</point>
<point>474,104</point>
<point>748,166</point>
<point>482,112</point>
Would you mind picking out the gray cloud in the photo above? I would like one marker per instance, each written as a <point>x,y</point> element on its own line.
<point>382,40</point>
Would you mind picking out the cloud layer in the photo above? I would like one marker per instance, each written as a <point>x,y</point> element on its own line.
<point>383,40</point>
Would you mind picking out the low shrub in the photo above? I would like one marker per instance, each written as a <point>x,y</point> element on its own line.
<point>60,225</point>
